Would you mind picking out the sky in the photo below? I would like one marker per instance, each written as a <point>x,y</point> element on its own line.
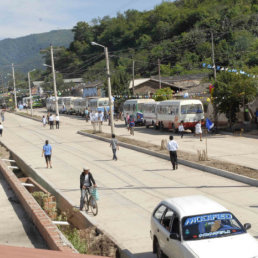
<point>23,17</point>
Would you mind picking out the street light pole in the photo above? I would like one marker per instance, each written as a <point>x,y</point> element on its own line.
<point>109,87</point>
<point>30,92</point>
<point>54,78</point>
<point>14,89</point>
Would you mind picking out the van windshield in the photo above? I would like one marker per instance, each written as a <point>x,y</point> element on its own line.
<point>191,109</point>
<point>210,226</point>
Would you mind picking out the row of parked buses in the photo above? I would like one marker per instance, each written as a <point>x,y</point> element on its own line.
<point>77,105</point>
<point>165,114</point>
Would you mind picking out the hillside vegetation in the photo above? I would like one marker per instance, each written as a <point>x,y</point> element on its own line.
<point>178,33</point>
<point>24,52</point>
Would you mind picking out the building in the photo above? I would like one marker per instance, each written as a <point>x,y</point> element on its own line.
<point>148,86</point>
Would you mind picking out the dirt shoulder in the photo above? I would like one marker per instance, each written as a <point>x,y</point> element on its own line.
<point>241,170</point>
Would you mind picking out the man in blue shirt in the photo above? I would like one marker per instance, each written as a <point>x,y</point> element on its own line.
<point>47,151</point>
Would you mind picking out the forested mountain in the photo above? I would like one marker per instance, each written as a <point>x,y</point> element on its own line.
<point>178,33</point>
<point>24,52</point>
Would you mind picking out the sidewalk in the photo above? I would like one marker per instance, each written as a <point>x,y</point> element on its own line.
<point>234,149</point>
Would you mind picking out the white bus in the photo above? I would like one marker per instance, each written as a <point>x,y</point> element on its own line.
<point>171,112</point>
<point>69,104</point>
<point>150,114</point>
<point>50,104</point>
<point>134,107</point>
<point>99,104</point>
<point>80,105</point>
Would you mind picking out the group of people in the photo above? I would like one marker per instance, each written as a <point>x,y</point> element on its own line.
<point>198,129</point>
<point>172,145</point>
<point>50,119</point>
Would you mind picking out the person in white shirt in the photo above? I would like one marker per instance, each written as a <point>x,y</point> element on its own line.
<point>57,121</point>
<point>172,148</point>
<point>198,129</point>
<point>51,121</point>
<point>1,129</point>
<point>181,129</point>
<point>44,121</point>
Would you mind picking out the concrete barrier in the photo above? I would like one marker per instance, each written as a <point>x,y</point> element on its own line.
<point>212,170</point>
<point>50,233</point>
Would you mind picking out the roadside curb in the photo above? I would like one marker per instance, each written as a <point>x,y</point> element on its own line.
<point>216,171</point>
<point>79,219</point>
<point>49,232</point>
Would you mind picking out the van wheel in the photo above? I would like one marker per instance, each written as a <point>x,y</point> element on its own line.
<point>158,250</point>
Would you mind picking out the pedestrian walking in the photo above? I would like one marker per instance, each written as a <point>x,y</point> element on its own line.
<point>198,129</point>
<point>2,115</point>
<point>181,129</point>
<point>172,148</point>
<point>57,121</point>
<point>86,181</point>
<point>131,126</point>
<point>86,112</point>
<point>51,122</point>
<point>44,121</point>
<point>47,152</point>
<point>114,145</point>
<point>48,115</point>
<point>1,129</point>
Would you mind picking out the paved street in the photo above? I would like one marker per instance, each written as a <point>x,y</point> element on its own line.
<point>129,188</point>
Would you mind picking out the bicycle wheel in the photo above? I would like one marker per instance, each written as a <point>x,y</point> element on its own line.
<point>93,205</point>
<point>86,202</point>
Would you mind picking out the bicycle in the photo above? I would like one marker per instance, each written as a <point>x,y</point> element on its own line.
<point>90,202</point>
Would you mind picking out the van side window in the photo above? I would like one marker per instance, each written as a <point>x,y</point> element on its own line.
<point>159,212</point>
<point>175,225</point>
<point>166,220</point>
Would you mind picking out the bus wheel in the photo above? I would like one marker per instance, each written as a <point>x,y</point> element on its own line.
<point>161,127</point>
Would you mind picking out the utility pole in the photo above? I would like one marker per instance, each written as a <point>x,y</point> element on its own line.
<point>109,92</point>
<point>54,78</point>
<point>30,94</point>
<point>159,73</point>
<point>14,89</point>
<point>213,59</point>
<point>133,76</point>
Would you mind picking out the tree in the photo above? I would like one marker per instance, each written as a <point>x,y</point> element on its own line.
<point>232,91</point>
<point>163,94</point>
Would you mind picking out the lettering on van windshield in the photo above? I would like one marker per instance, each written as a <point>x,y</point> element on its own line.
<point>206,218</point>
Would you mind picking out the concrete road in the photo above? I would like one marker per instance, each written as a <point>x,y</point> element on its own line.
<point>129,188</point>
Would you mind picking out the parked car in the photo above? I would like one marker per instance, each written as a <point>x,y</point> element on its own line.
<point>196,226</point>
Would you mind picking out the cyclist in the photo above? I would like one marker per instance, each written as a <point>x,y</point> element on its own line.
<point>86,181</point>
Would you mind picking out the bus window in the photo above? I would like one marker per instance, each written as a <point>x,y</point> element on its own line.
<point>191,109</point>
<point>134,107</point>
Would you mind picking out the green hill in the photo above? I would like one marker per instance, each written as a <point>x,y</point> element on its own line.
<point>24,52</point>
<point>177,33</point>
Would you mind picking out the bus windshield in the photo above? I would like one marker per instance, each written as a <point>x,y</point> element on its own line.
<point>210,226</point>
<point>191,109</point>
